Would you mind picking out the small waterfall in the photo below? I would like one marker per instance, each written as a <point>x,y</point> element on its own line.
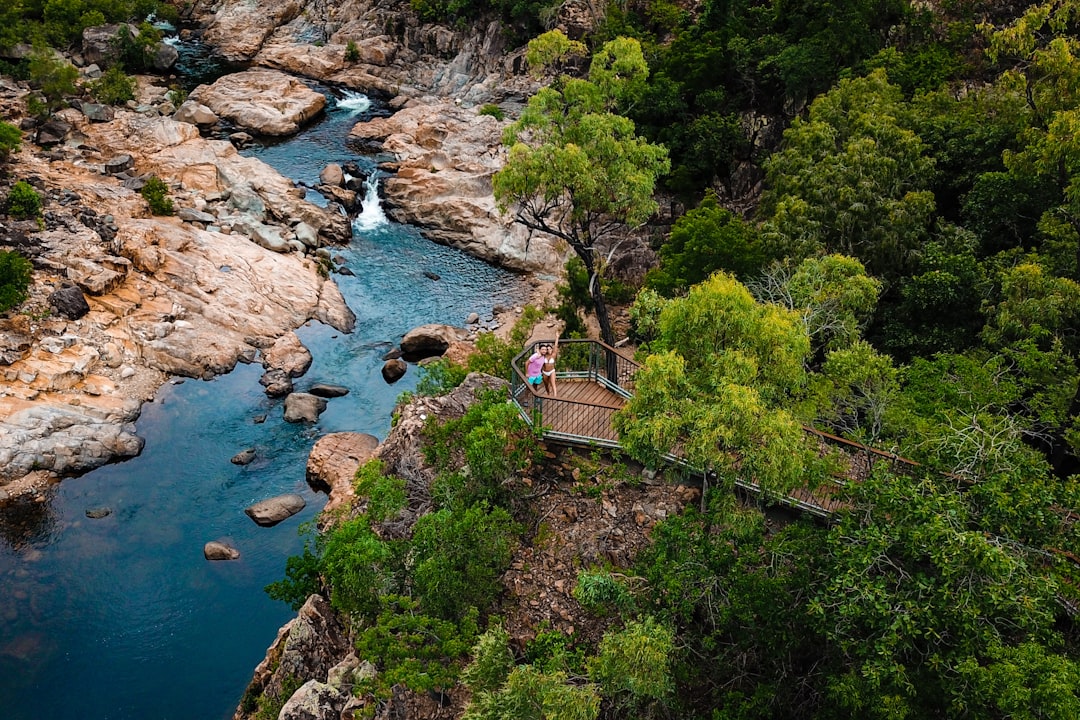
<point>354,102</point>
<point>371,214</point>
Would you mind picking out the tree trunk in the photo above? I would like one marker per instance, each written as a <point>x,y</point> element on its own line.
<point>606,333</point>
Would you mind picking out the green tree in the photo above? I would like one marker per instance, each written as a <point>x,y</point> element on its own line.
<point>156,193</point>
<point>53,76</point>
<point>910,594</point>
<point>458,557</point>
<point>715,391</point>
<point>532,694</point>
<point>576,170</point>
<point>832,293</point>
<point>636,662</point>
<point>704,240</point>
<point>851,179</point>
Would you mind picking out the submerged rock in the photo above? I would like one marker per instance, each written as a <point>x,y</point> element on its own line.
<point>220,550</point>
<point>244,457</point>
<point>272,511</point>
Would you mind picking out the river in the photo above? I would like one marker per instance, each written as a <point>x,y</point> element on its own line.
<point>121,617</point>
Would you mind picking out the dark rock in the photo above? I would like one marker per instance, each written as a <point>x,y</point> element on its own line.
<point>393,370</point>
<point>135,184</point>
<point>70,302</point>
<point>119,164</point>
<point>327,390</point>
<point>165,56</point>
<point>241,139</point>
<point>431,276</point>
<point>303,407</point>
<point>392,354</point>
<point>52,132</point>
<point>96,112</point>
<point>344,270</point>
<point>272,511</point>
<point>98,513</point>
<point>220,550</point>
<point>259,419</point>
<point>244,457</point>
<point>277,382</point>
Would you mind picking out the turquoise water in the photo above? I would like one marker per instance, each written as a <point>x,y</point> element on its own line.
<point>121,617</point>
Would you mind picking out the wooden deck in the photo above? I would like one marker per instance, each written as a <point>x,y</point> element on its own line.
<point>582,409</point>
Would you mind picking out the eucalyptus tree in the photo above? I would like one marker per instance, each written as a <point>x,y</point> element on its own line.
<point>851,178</point>
<point>575,169</point>
<point>716,390</point>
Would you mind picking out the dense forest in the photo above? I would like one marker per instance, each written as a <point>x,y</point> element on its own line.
<point>881,240</point>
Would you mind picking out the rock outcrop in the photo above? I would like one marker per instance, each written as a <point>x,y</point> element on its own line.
<point>303,407</point>
<point>266,102</point>
<point>162,296</point>
<point>333,462</point>
<point>446,156</point>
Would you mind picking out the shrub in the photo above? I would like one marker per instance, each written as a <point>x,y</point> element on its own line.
<point>352,53</point>
<point>15,273</point>
<point>54,78</point>
<point>10,140</point>
<point>493,110</point>
<point>23,201</point>
<point>136,50</point>
<point>156,193</point>
<point>114,87</point>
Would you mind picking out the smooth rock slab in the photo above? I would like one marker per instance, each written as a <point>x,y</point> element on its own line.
<point>219,550</point>
<point>303,407</point>
<point>265,101</point>
<point>272,511</point>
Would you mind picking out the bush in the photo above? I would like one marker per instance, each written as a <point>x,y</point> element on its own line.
<point>114,88</point>
<point>23,201</point>
<point>493,110</point>
<point>156,193</point>
<point>54,78</point>
<point>10,140</point>
<point>15,274</point>
<point>136,50</point>
<point>352,53</point>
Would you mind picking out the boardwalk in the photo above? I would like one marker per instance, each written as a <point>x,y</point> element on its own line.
<point>588,397</point>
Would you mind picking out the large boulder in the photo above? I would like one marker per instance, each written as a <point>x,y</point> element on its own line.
<point>195,113</point>
<point>289,355</point>
<point>69,301</point>
<point>267,102</point>
<point>314,700</point>
<point>429,340</point>
<point>394,369</point>
<point>268,513</point>
<point>303,407</point>
<point>333,462</point>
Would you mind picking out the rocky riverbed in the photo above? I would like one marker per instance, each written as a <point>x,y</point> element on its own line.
<point>146,297</point>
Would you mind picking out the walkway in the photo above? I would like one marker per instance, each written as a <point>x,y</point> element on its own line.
<point>594,381</point>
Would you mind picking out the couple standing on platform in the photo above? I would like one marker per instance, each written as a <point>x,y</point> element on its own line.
<point>540,368</point>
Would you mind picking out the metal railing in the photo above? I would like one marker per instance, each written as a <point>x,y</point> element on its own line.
<point>565,419</point>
